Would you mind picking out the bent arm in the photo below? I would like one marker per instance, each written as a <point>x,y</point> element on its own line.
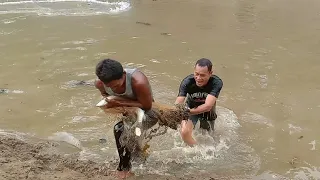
<point>180,100</point>
<point>182,92</point>
<point>99,85</point>
<point>210,99</point>
<point>207,106</point>
<point>142,90</point>
<point>130,103</point>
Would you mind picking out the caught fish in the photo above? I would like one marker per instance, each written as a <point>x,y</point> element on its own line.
<point>102,103</point>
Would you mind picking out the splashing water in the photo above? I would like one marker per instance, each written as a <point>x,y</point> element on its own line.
<point>220,152</point>
<point>66,137</point>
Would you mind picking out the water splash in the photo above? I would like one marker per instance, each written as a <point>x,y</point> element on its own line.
<point>305,173</point>
<point>218,153</point>
<point>66,137</point>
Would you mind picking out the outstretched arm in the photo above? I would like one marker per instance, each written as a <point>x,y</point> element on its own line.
<point>182,92</point>
<point>180,100</point>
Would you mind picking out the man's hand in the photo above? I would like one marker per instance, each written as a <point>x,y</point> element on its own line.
<point>184,110</point>
<point>207,106</point>
<point>180,100</point>
<point>113,103</point>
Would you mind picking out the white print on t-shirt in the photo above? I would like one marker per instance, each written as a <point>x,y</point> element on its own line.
<point>199,95</point>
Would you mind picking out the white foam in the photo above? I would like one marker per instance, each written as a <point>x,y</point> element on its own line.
<point>47,7</point>
<point>75,48</point>
<point>308,173</point>
<point>154,61</point>
<point>57,1</point>
<point>126,64</point>
<point>256,118</point>
<point>269,176</point>
<point>83,74</point>
<point>89,155</point>
<point>66,137</point>
<point>13,134</point>
<point>13,91</point>
<point>170,152</point>
<point>294,129</point>
<point>313,143</point>
<point>17,91</point>
<point>81,119</point>
<point>305,173</point>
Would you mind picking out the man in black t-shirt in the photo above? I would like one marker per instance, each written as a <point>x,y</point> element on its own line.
<point>200,91</point>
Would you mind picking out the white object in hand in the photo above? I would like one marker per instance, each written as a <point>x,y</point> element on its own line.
<point>140,117</point>
<point>138,131</point>
<point>103,102</point>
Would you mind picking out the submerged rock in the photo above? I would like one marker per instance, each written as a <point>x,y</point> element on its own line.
<point>143,23</point>
<point>4,91</point>
<point>77,83</point>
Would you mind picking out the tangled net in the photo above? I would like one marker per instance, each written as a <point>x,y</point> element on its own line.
<point>155,123</point>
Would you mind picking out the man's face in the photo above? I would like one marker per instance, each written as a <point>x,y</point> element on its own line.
<point>202,75</point>
<point>115,84</point>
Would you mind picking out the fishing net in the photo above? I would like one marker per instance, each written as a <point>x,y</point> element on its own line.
<point>155,123</point>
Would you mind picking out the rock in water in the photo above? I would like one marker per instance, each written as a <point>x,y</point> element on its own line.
<point>4,91</point>
<point>102,140</point>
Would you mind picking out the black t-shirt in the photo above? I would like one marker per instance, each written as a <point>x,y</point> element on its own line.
<point>197,95</point>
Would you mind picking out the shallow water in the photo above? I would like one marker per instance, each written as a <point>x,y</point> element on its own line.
<point>266,52</point>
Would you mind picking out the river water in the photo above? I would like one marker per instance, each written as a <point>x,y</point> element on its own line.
<point>265,52</point>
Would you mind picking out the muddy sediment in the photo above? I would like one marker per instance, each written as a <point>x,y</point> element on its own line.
<point>41,161</point>
<point>22,160</point>
<point>172,117</point>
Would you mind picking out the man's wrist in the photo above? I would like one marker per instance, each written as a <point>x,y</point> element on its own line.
<point>188,110</point>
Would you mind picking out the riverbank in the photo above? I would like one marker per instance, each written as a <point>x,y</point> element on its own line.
<point>42,161</point>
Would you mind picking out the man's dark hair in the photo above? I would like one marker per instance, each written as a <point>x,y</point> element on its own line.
<point>203,62</point>
<point>108,70</point>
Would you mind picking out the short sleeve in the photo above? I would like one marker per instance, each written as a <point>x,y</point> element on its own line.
<point>217,86</point>
<point>183,87</point>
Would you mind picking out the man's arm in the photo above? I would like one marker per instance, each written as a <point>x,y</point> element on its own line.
<point>180,100</point>
<point>99,85</point>
<point>210,100</point>
<point>182,92</point>
<point>207,106</point>
<point>142,89</point>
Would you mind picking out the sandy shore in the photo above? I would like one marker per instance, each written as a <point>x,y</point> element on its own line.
<point>21,160</point>
<point>42,161</point>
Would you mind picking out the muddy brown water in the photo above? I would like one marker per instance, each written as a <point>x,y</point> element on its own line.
<point>266,52</point>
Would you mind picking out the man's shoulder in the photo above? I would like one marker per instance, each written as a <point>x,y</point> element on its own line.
<point>138,77</point>
<point>216,79</point>
<point>98,83</point>
<point>188,79</point>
